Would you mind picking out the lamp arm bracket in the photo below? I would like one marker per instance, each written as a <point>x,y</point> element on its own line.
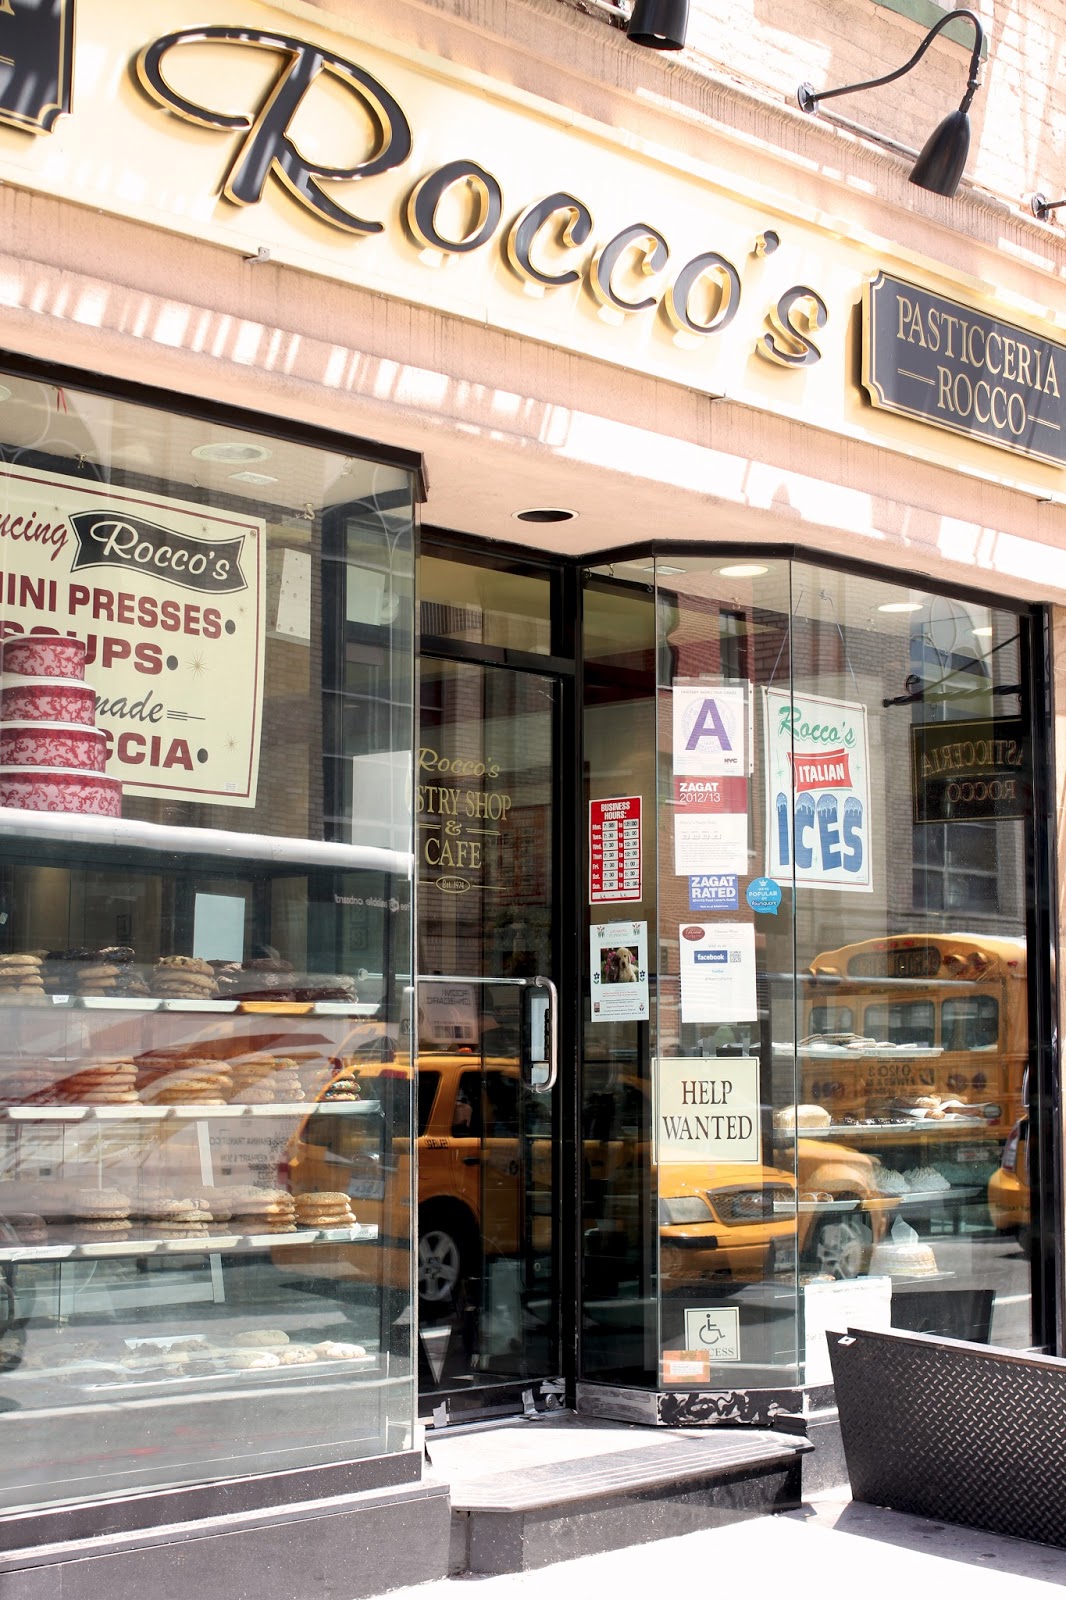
<point>808,99</point>
<point>1040,205</point>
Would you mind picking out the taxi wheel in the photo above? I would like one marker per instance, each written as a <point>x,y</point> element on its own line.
<point>444,1262</point>
<point>841,1246</point>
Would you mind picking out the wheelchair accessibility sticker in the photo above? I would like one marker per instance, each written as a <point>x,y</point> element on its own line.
<point>716,1330</point>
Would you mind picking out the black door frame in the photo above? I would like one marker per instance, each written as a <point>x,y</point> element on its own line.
<point>567,863</point>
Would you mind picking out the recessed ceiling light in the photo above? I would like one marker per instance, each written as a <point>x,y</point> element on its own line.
<point>662,569</point>
<point>742,569</point>
<point>5,392</point>
<point>901,606</point>
<point>545,514</point>
<point>232,453</point>
<point>982,633</point>
<point>260,479</point>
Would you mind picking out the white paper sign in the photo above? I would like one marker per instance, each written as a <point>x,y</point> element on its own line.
<point>707,843</point>
<point>168,597</point>
<point>710,728</point>
<point>447,1015</point>
<point>817,792</point>
<point>618,962</point>
<point>717,972</point>
<point>706,1110</point>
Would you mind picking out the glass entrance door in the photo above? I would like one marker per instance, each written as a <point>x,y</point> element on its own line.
<point>484,1016</point>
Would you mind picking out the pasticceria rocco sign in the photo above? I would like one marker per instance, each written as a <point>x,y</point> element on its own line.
<point>414,178</point>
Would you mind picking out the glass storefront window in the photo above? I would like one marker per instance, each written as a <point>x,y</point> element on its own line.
<point>484,605</point>
<point>206,726</point>
<point>833,903</point>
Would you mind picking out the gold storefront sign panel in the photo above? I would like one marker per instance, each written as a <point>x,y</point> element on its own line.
<point>945,363</point>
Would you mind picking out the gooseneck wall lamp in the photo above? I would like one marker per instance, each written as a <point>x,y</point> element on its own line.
<point>659,24</point>
<point>1042,207</point>
<point>939,167</point>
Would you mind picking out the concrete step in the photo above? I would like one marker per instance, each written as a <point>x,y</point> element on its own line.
<point>653,1484</point>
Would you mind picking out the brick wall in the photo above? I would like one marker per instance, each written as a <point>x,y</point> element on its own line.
<point>1018,122</point>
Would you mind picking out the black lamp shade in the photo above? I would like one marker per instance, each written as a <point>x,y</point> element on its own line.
<point>659,24</point>
<point>939,167</point>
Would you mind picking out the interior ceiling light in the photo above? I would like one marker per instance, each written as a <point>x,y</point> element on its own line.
<point>545,514</point>
<point>663,569</point>
<point>742,569</point>
<point>260,479</point>
<point>5,392</point>
<point>659,24</point>
<point>901,606</point>
<point>939,167</point>
<point>231,454</point>
<point>982,633</point>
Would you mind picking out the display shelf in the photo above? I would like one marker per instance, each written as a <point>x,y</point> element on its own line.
<point>848,1132</point>
<point>867,1052</point>
<point>805,1208</point>
<point>154,839</point>
<point>155,1005</point>
<point>935,1197</point>
<point>190,1113</point>
<point>209,1244</point>
<point>103,1377</point>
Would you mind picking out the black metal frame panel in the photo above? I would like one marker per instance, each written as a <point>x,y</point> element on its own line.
<point>959,1432</point>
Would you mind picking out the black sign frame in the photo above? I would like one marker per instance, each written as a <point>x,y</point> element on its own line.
<point>978,770</point>
<point>36,62</point>
<point>965,371</point>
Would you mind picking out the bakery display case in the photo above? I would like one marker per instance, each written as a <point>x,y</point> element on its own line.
<point>148,1110</point>
<point>206,715</point>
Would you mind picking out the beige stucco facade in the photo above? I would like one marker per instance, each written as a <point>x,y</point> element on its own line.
<point>628,436</point>
<point>118,255</point>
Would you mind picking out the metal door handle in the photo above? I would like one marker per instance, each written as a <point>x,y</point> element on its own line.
<point>553,1035</point>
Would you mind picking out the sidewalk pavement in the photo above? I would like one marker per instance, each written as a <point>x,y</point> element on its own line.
<point>832,1548</point>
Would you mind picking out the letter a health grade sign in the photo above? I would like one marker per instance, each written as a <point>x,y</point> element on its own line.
<point>817,792</point>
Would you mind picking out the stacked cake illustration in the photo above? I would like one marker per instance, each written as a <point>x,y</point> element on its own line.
<point>52,755</point>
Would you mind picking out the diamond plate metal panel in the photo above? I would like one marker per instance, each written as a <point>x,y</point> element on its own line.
<point>960,1432</point>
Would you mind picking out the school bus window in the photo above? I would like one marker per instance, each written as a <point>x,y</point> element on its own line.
<point>902,1022</point>
<point>831,1019</point>
<point>970,1023</point>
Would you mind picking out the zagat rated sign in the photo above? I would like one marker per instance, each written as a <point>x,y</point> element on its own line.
<point>168,597</point>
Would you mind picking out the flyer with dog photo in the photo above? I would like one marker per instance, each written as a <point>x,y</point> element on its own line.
<point>618,962</point>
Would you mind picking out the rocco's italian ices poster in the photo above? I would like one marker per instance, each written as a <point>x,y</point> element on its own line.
<point>817,792</point>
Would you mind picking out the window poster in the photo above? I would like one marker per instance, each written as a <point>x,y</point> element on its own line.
<point>714,891</point>
<point>706,1110</point>
<point>717,972</point>
<point>614,849</point>
<point>817,792</point>
<point>167,597</point>
<point>618,962</point>
<point>710,825</point>
<point>709,730</point>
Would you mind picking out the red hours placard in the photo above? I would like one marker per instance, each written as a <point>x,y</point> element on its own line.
<point>614,850</point>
